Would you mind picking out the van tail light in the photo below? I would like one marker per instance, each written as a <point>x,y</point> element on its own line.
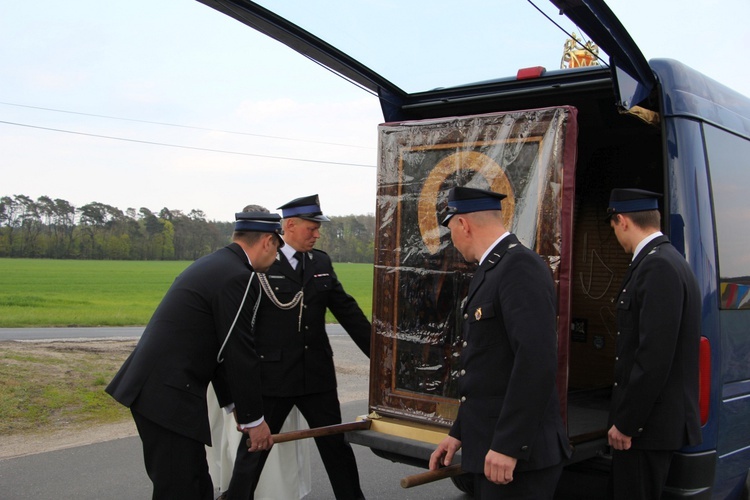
<point>704,386</point>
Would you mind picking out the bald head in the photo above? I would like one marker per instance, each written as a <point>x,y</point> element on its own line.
<point>473,233</point>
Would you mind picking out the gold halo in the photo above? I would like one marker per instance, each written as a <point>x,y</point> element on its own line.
<point>480,163</point>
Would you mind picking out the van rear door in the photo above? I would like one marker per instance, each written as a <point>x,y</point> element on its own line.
<point>634,78</point>
<point>486,36</point>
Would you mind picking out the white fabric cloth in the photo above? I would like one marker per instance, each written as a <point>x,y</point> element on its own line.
<point>287,470</point>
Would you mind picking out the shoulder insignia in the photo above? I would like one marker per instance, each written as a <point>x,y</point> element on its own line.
<point>495,261</point>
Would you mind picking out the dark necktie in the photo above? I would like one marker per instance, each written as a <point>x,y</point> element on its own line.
<point>300,263</point>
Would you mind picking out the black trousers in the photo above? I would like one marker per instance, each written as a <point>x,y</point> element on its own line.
<point>175,464</point>
<point>531,485</point>
<point>638,474</point>
<point>338,458</point>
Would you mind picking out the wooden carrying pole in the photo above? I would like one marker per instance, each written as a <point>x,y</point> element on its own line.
<point>432,475</point>
<point>328,430</point>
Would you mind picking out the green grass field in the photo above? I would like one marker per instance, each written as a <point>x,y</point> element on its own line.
<point>61,384</point>
<point>40,292</point>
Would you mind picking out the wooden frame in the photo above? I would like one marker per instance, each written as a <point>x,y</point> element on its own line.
<point>420,279</point>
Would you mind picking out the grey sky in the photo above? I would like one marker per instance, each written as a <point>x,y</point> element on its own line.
<point>180,62</point>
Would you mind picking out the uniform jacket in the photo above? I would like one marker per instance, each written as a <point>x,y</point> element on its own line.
<point>655,396</point>
<point>293,345</point>
<point>509,401</point>
<point>165,378</point>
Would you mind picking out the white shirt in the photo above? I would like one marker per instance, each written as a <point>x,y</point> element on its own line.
<point>487,252</point>
<point>289,252</point>
<point>645,242</point>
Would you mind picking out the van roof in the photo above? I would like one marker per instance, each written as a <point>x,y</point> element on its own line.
<point>689,93</point>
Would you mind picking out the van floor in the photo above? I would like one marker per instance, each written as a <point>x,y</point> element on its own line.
<point>587,413</point>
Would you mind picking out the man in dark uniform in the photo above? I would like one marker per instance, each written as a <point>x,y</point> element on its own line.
<point>509,425</point>
<point>297,360</point>
<point>655,396</point>
<point>199,333</point>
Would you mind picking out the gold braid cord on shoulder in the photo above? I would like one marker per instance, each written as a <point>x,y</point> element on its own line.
<point>298,298</point>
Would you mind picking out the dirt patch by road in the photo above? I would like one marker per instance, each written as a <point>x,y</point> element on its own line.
<point>53,394</point>
<point>72,361</point>
<point>45,440</point>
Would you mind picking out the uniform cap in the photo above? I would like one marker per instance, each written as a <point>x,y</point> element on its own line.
<point>307,207</point>
<point>464,200</point>
<point>261,222</point>
<point>622,201</point>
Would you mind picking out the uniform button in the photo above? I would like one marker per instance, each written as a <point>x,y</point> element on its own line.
<point>307,327</point>
<point>524,448</point>
<point>640,429</point>
<point>463,399</point>
<point>262,356</point>
<point>617,358</point>
<point>466,316</point>
<point>463,372</point>
<point>188,386</point>
<point>618,333</point>
<point>276,289</point>
<point>465,343</point>
<point>304,306</point>
<point>306,347</point>
<point>615,384</point>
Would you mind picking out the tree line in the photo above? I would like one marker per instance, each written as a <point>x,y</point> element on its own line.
<point>56,229</point>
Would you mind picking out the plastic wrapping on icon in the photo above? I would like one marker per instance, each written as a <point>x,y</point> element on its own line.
<point>420,278</point>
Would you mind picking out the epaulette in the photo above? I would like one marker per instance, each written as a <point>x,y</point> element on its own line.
<point>654,250</point>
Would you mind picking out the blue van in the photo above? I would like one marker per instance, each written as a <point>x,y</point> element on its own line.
<point>560,140</point>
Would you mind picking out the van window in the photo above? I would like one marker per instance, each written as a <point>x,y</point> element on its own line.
<point>730,178</point>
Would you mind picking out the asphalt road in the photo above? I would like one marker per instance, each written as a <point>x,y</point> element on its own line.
<point>95,332</point>
<point>113,470</point>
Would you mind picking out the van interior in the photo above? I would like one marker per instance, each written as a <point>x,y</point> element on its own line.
<point>614,150</point>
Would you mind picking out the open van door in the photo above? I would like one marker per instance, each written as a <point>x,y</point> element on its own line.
<point>634,78</point>
<point>631,72</point>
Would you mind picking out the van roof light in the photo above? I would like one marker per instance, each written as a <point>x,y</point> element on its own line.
<point>529,73</point>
